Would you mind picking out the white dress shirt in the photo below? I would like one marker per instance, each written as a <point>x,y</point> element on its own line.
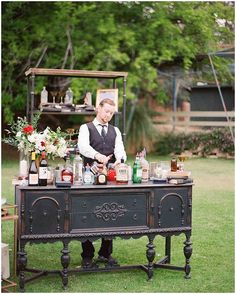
<point>88,151</point>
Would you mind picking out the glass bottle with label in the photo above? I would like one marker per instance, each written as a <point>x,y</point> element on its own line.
<point>78,170</point>
<point>173,165</point>
<point>111,173</point>
<point>137,171</point>
<point>43,170</point>
<point>88,176</point>
<point>145,169</point>
<point>33,172</point>
<point>67,174</point>
<point>122,173</point>
<point>100,179</point>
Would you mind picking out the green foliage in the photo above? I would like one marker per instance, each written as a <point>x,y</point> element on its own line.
<point>130,36</point>
<point>204,143</point>
<point>142,132</point>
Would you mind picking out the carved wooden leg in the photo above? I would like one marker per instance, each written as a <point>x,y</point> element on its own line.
<point>187,253</point>
<point>21,265</point>
<point>168,248</point>
<point>150,253</point>
<point>65,261</point>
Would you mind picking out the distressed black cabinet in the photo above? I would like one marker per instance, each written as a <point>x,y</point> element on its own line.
<point>50,214</point>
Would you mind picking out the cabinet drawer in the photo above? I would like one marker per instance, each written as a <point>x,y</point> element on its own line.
<point>108,210</point>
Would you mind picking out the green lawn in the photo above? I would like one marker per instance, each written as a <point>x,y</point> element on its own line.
<point>212,260</point>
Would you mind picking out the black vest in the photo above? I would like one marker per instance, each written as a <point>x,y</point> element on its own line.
<point>104,146</point>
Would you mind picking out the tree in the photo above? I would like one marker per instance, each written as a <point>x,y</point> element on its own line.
<point>128,36</point>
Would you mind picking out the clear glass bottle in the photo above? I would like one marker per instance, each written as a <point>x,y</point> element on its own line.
<point>122,173</point>
<point>145,169</point>
<point>88,176</point>
<point>78,170</point>
<point>44,96</point>
<point>24,164</point>
<point>137,171</point>
<point>67,173</point>
<point>69,97</point>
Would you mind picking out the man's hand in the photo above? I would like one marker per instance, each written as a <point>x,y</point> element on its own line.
<point>118,161</point>
<point>102,158</point>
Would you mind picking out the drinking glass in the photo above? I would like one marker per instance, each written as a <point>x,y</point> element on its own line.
<point>152,169</point>
<point>165,167</point>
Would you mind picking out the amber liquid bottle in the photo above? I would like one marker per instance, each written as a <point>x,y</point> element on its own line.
<point>33,172</point>
<point>43,170</point>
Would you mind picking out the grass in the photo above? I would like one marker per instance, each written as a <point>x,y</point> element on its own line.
<point>212,261</point>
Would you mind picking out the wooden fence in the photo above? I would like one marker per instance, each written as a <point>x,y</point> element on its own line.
<point>182,118</point>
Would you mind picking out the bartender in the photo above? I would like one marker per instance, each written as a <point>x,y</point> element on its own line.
<point>102,142</point>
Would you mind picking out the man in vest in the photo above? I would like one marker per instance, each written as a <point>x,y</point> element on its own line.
<point>100,141</point>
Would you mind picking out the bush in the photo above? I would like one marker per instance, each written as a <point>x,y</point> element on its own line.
<point>203,144</point>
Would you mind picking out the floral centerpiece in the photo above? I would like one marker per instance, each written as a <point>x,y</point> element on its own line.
<point>27,138</point>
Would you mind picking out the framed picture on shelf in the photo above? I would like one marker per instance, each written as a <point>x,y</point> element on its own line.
<point>107,93</point>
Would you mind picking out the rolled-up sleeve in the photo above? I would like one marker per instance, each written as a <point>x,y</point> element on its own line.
<point>84,143</point>
<point>119,151</point>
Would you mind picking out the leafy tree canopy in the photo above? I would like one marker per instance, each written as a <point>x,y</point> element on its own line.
<point>136,37</point>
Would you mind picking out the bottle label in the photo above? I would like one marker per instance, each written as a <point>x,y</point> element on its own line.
<point>87,178</point>
<point>122,175</point>
<point>43,173</point>
<point>145,174</point>
<point>102,179</point>
<point>33,179</point>
<point>66,178</point>
<point>139,173</point>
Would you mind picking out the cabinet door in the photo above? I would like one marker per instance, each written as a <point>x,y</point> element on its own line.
<point>107,210</point>
<point>44,212</point>
<point>172,207</point>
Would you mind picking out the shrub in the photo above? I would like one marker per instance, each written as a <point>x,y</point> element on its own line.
<point>200,143</point>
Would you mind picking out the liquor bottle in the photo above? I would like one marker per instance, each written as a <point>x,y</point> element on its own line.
<point>137,171</point>
<point>122,173</point>
<point>43,170</point>
<point>44,96</point>
<point>67,174</point>
<point>33,172</point>
<point>78,170</point>
<point>145,168</point>
<point>111,173</point>
<point>173,164</point>
<point>100,179</point>
<point>69,97</point>
<point>88,176</point>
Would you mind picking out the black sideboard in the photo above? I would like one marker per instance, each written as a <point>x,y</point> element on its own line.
<point>88,212</point>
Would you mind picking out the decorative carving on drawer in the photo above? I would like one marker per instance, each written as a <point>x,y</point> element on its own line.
<point>110,211</point>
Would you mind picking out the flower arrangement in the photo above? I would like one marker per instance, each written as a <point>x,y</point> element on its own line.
<point>26,138</point>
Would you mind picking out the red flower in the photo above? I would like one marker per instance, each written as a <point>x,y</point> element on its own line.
<point>43,143</point>
<point>28,130</point>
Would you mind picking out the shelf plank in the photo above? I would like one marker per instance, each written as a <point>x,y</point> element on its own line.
<point>75,73</point>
